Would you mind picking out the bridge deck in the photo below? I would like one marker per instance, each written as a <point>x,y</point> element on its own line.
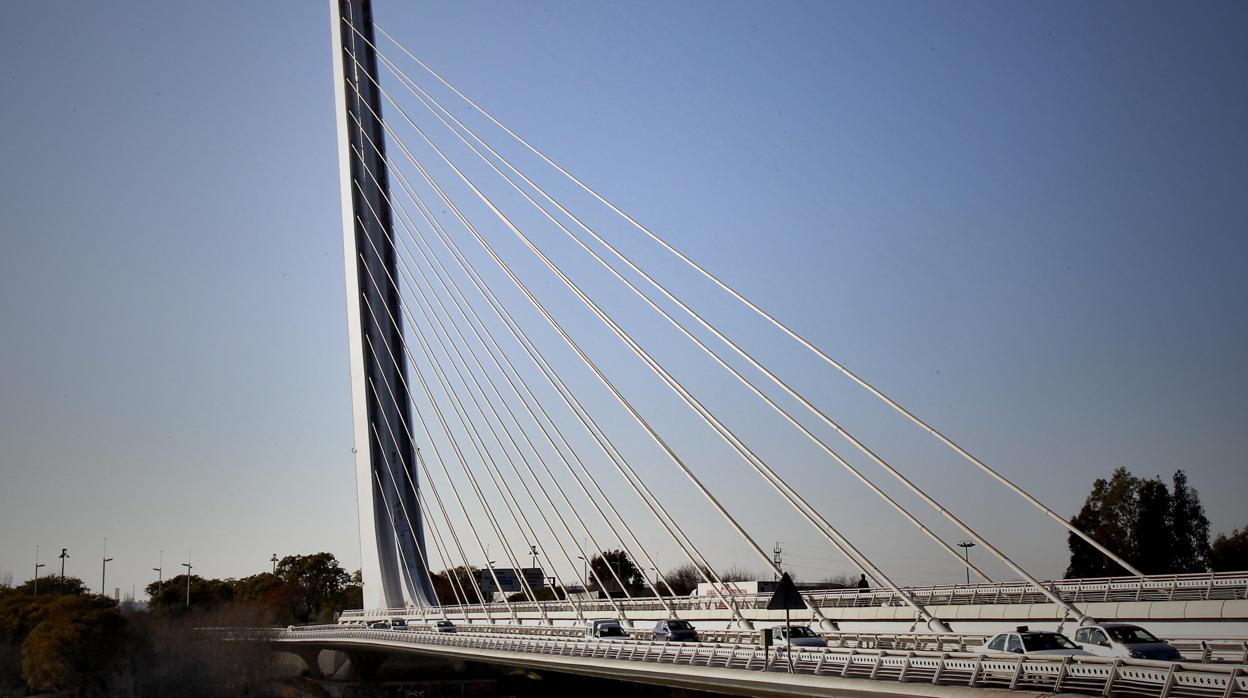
<point>825,671</point>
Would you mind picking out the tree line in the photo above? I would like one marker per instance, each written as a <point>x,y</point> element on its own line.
<point>67,639</point>
<point>1157,528</point>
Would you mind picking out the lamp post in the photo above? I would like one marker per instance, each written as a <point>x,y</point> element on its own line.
<point>37,566</point>
<point>966,546</point>
<point>187,565</point>
<point>533,553</point>
<point>64,556</point>
<point>104,570</point>
<point>274,561</point>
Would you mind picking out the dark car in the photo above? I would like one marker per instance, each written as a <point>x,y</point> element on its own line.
<point>444,626</point>
<point>675,630</point>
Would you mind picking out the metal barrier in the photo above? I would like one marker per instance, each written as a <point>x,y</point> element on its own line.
<point>1213,586</point>
<point>1089,675</point>
<point>1193,649</point>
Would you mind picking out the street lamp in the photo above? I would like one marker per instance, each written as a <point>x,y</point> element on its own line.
<point>37,566</point>
<point>533,552</point>
<point>104,570</point>
<point>187,565</point>
<point>274,561</point>
<point>64,556</point>
<point>966,546</point>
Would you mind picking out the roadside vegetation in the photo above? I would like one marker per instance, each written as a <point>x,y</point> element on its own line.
<point>71,642</point>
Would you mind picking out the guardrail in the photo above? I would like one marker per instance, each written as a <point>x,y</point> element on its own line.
<point>1178,587</point>
<point>1089,675</point>
<point>1193,649</point>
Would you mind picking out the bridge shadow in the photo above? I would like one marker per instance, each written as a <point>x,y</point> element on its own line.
<point>380,675</point>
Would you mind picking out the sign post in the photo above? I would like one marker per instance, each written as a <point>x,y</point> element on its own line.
<point>787,597</point>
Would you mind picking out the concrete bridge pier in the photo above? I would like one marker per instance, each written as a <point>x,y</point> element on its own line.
<point>311,657</point>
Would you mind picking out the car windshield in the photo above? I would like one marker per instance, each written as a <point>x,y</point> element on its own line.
<point>800,631</point>
<point>611,631</point>
<point>1047,641</point>
<point>1131,635</point>
<point>679,625</point>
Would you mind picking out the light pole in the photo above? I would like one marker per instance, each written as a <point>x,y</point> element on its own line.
<point>274,561</point>
<point>37,566</point>
<point>533,552</point>
<point>64,556</point>
<point>966,546</point>
<point>187,565</point>
<point>104,570</point>
<point>585,576</point>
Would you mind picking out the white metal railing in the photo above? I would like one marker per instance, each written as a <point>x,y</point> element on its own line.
<point>1089,675</point>
<point>1193,649</point>
<point>1175,587</point>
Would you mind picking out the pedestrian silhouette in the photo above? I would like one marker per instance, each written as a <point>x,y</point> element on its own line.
<point>863,584</point>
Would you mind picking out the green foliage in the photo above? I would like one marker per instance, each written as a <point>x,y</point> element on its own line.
<point>73,641</point>
<point>603,564</point>
<point>1230,552</point>
<point>170,595</point>
<point>452,585</point>
<point>315,586</point>
<point>1157,529</point>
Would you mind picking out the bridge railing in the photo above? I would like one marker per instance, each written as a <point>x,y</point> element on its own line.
<point>1193,649</point>
<point>1176,587</point>
<point>1090,675</point>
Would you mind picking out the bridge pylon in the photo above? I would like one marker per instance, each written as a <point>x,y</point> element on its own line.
<point>392,548</point>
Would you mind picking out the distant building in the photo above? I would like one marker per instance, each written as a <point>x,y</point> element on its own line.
<point>509,580</point>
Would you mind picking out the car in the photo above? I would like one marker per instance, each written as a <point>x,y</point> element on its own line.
<point>796,636</point>
<point>609,630</point>
<point>675,630</point>
<point>1029,642</point>
<point>444,626</point>
<point>1125,640</point>
<point>378,625</point>
<point>398,624</point>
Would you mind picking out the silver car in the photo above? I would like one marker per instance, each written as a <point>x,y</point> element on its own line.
<point>1125,640</point>
<point>796,636</point>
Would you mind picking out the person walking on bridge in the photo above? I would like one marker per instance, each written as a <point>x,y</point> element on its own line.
<point>863,584</point>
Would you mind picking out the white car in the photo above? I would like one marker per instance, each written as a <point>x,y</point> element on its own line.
<point>796,636</point>
<point>609,630</point>
<point>1027,642</point>
<point>1125,640</point>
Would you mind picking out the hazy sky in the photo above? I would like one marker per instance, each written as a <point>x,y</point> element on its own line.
<point>1025,221</point>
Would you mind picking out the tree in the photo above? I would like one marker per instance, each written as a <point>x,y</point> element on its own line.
<point>1230,553</point>
<point>170,595</point>
<point>72,644</point>
<point>683,580</point>
<point>1191,528</point>
<point>618,561</point>
<point>1107,516</point>
<point>1154,533</point>
<point>451,585</point>
<point>1155,529</point>
<point>316,585</point>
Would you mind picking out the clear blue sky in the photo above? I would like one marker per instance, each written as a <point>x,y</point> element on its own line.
<point>1025,221</point>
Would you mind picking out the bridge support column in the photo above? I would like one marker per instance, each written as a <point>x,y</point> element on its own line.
<point>311,657</point>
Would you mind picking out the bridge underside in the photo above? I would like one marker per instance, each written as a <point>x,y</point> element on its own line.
<point>775,683</point>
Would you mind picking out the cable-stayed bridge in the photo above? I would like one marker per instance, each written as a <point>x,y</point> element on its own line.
<point>501,387</point>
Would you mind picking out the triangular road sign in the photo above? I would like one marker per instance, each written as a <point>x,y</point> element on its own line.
<point>786,596</point>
